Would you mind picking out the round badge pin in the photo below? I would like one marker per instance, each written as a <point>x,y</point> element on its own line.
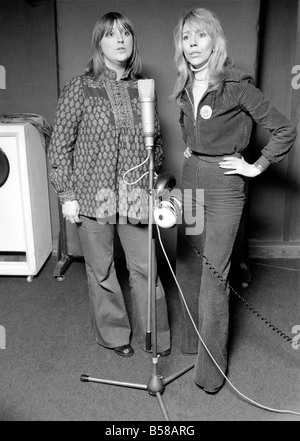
<point>206,112</point>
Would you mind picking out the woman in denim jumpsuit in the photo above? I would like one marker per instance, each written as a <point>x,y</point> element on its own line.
<point>218,105</point>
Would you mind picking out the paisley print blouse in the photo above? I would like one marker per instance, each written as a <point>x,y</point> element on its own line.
<point>97,138</point>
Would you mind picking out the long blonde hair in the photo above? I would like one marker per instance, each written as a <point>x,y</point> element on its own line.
<point>96,65</point>
<point>200,19</point>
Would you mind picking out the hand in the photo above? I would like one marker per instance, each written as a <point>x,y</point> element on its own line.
<point>70,211</point>
<point>238,166</point>
<point>187,153</point>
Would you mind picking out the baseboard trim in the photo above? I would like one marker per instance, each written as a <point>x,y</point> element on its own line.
<point>275,250</point>
<point>257,250</point>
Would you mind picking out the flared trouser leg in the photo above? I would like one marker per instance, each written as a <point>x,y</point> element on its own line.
<point>221,209</point>
<point>109,315</point>
<point>135,242</point>
<point>213,306</point>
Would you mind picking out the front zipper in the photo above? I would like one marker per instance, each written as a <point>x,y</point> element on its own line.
<point>193,107</point>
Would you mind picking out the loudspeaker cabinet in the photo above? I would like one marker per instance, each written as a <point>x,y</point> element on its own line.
<point>25,226</point>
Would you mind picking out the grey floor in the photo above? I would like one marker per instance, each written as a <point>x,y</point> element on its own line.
<point>50,344</point>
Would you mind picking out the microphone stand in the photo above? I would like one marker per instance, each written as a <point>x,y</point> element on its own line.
<point>156,384</point>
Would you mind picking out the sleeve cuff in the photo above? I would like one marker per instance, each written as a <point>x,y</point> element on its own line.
<point>262,163</point>
<point>67,196</point>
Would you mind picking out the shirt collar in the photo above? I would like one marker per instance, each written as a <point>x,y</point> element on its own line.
<point>111,74</point>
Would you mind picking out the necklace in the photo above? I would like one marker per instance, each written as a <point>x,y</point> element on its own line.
<point>201,73</point>
<point>195,69</point>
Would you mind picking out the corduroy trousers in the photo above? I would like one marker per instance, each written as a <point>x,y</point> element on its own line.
<point>216,213</point>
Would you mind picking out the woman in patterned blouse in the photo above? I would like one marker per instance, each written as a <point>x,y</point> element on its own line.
<point>218,105</point>
<point>97,137</point>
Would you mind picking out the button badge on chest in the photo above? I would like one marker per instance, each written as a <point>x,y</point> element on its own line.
<point>206,112</point>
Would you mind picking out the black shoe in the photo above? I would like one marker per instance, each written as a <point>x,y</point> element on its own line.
<point>210,392</point>
<point>124,351</point>
<point>189,353</point>
<point>164,353</point>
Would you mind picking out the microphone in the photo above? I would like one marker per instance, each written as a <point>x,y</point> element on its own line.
<point>164,182</point>
<point>146,96</point>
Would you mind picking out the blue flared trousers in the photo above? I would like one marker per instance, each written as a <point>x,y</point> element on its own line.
<point>216,215</point>
<point>109,314</point>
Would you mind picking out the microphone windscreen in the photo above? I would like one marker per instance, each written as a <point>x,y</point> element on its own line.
<point>146,89</point>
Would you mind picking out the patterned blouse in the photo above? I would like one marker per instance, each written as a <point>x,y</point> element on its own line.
<point>97,137</point>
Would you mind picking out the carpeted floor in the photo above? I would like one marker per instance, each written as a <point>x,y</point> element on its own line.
<point>50,344</point>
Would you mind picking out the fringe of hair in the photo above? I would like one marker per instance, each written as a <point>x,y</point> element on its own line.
<point>201,19</point>
<point>96,66</point>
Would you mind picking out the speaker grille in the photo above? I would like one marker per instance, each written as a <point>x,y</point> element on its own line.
<point>4,168</point>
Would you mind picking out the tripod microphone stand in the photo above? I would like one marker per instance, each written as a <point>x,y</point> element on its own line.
<point>156,383</point>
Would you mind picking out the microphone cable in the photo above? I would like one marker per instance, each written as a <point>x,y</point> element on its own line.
<point>255,403</point>
<point>250,307</point>
<point>135,167</point>
<point>38,121</point>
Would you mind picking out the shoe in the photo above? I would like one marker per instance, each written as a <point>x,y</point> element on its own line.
<point>164,353</point>
<point>210,392</point>
<point>189,353</point>
<point>124,351</point>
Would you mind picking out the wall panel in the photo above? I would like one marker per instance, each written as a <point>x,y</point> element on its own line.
<point>154,22</point>
<point>275,195</point>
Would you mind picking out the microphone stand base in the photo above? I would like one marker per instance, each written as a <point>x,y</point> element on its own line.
<point>155,385</point>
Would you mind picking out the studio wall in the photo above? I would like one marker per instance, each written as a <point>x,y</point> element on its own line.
<point>44,43</point>
<point>154,22</point>
<point>28,54</point>
<point>274,200</point>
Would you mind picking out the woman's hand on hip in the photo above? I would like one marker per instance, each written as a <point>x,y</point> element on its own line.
<point>70,211</point>
<point>238,166</point>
